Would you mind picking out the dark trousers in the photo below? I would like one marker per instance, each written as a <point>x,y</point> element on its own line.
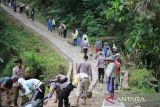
<point>38,94</point>
<point>75,42</point>
<point>85,51</point>
<point>16,95</point>
<point>15,8</point>
<point>63,96</point>
<point>110,84</point>
<point>66,102</point>
<point>101,74</point>
<point>53,27</point>
<point>65,33</point>
<point>32,16</point>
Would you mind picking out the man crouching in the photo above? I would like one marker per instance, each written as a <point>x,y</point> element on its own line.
<point>63,89</point>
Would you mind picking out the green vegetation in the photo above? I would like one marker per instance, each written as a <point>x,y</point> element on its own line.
<point>135,23</point>
<point>139,77</point>
<point>17,42</point>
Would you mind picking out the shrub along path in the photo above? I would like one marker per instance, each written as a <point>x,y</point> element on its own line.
<point>71,52</point>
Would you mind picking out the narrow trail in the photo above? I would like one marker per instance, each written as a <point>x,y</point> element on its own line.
<point>73,53</point>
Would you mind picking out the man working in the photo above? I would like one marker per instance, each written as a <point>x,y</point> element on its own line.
<point>63,89</point>
<point>34,86</point>
<point>6,84</point>
<point>85,68</point>
<point>82,88</point>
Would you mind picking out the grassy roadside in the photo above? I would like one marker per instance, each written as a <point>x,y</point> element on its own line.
<point>38,55</point>
<point>136,83</point>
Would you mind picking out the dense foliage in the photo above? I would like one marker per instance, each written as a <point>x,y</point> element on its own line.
<point>135,23</point>
<point>16,42</point>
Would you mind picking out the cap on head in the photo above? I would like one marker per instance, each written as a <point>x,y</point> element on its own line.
<point>114,47</point>
<point>105,43</point>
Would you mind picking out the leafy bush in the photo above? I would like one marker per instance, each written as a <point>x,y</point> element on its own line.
<point>35,62</point>
<point>9,67</point>
<point>93,27</point>
<point>139,78</point>
<point>37,56</point>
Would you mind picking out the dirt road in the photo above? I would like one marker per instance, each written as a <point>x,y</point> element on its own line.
<point>73,53</point>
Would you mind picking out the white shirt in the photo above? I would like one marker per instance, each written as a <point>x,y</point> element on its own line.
<point>83,75</point>
<point>30,85</point>
<point>18,71</point>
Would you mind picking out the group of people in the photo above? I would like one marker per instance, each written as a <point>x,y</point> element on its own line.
<point>17,82</point>
<point>51,24</point>
<point>59,84</point>
<point>14,5</point>
<point>80,39</point>
<point>81,81</point>
<point>108,63</point>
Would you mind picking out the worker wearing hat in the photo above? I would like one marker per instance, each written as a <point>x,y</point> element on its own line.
<point>114,49</point>
<point>110,73</point>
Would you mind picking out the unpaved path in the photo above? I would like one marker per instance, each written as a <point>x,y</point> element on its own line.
<point>71,52</point>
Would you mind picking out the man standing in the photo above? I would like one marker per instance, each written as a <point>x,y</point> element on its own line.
<point>27,10</point>
<point>85,46</point>
<point>6,84</point>
<point>18,71</point>
<point>14,6</point>
<point>74,36</point>
<point>101,66</point>
<point>85,68</point>
<point>32,14</point>
<point>105,49</point>
<point>110,72</point>
<point>53,23</point>
<point>98,45</point>
<point>63,30</point>
<point>50,24</point>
